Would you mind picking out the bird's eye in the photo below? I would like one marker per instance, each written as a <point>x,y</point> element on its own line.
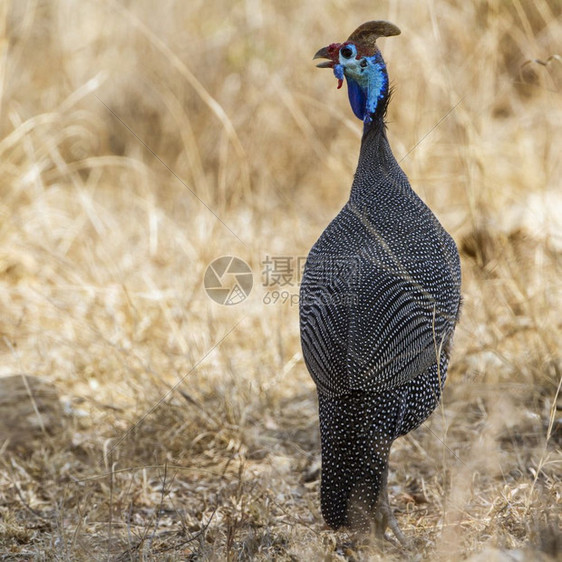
<point>346,53</point>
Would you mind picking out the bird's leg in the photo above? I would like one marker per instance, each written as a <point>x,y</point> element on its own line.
<point>384,516</point>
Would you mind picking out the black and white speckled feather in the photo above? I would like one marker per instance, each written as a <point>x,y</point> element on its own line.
<point>379,301</point>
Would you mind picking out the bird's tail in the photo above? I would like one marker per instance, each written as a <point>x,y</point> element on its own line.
<point>356,435</point>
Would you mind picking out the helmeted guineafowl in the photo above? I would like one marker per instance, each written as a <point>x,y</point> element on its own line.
<point>379,300</point>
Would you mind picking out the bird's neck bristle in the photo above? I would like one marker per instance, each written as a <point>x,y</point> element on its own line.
<point>377,123</point>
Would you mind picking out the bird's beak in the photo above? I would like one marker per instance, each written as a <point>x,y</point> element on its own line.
<point>323,54</point>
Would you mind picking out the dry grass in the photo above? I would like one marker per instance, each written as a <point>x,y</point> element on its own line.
<point>138,142</point>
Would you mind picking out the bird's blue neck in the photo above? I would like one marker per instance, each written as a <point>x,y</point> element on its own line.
<point>367,87</point>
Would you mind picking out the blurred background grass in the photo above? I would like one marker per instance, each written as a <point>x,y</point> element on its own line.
<point>138,142</point>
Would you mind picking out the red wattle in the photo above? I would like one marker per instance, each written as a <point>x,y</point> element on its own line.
<point>340,82</point>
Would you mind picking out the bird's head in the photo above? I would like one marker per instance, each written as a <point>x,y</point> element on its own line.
<point>360,62</point>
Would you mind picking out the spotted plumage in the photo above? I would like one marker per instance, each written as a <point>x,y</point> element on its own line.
<point>380,298</point>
